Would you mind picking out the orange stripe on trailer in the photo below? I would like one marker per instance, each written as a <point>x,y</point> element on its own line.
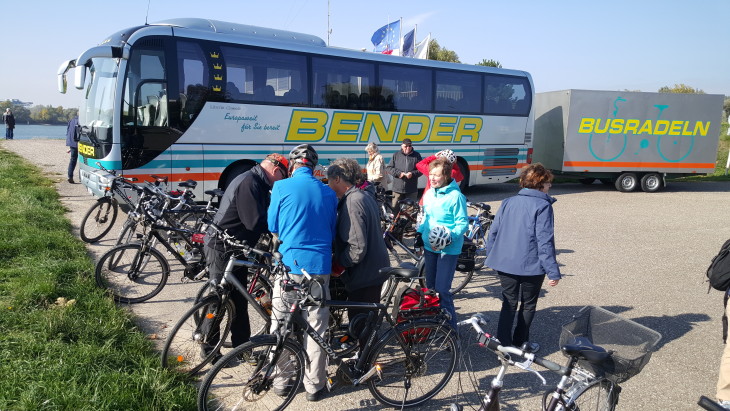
<point>629,164</point>
<point>176,178</point>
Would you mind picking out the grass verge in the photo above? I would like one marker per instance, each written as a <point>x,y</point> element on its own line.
<point>63,343</point>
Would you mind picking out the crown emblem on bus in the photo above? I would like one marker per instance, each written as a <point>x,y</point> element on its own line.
<point>218,77</point>
<point>214,55</point>
<point>217,66</point>
<point>216,88</point>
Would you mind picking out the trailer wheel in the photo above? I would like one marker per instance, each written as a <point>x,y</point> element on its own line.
<point>626,182</point>
<point>652,182</point>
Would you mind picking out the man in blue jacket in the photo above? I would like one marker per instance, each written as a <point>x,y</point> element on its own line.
<point>303,214</point>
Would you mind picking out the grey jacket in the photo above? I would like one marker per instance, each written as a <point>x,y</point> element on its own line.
<point>359,245</point>
<point>401,163</point>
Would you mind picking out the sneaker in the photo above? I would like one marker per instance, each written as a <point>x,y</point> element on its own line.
<point>71,181</point>
<point>531,347</point>
<point>314,397</point>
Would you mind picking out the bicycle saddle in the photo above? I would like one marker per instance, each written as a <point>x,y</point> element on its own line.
<point>217,192</point>
<point>407,202</point>
<point>188,184</point>
<point>159,179</point>
<point>406,270</point>
<point>583,349</point>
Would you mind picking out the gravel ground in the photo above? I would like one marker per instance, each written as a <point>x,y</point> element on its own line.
<point>640,255</point>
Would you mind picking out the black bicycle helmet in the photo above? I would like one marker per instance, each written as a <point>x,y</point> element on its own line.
<point>303,154</point>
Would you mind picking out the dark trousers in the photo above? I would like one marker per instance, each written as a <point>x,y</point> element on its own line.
<point>72,161</point>
<point>8,133</point>
<point>402,196</point>
<point>522,289</point>
<point>240,326</point>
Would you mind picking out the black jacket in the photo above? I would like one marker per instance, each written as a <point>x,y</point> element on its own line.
<point>244,205</point>
<point>401,163</point>
<point>359,245</point>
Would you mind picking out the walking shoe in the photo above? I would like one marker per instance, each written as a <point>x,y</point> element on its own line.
<point>71,181</point>
<point>531,347</point>
<point>282,392</point>
<point>314,397</point>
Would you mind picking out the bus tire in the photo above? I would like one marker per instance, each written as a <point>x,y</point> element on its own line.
<point>234,171</point>
<point>464,167</point>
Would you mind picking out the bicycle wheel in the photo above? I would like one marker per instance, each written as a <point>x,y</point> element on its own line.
<point>421,354</point>
<point>461,279</point>
<point>131,275</point>
<point>99,220</point>
<point>597,396</point>
<point>480,240</point>
<point>127,235</point>
<point>198,336</point>
<point>254,376</point>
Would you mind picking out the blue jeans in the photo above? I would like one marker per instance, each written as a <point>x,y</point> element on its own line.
<point>72,161</point>
<point>440,270</point>
<point>8,133</point>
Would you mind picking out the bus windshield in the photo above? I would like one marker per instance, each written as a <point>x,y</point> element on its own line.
<point>97,116</point>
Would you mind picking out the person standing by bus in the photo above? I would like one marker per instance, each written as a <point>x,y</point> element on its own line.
<point>376,166</point>
<point>72,142</point>
<point>242,213</point>
<point>9,120</point>
<point>445,220</point>
<point>422,166</point>
<point>303,214</point>
<point>405,174</point>
<point>521,248</point>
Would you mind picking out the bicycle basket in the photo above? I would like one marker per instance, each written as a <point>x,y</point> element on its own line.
<point>465,261</point>
<point>631,343</point>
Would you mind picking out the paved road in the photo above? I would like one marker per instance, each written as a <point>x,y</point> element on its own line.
<point>637,254</point>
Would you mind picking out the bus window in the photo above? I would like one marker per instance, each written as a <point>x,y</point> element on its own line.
<point>265,76</point>
<point>458,92</point>
<point>406,88</point>
<point>145,87</point>
<point>342,84</point>
<point>194,81</point>
<point>504,95</point>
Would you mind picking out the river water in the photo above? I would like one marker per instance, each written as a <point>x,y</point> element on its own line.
<point>26,132</point>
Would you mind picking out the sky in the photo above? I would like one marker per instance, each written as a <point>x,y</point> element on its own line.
<point>564,44</point>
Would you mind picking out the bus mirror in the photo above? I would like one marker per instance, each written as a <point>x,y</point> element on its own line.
<point>62,83</point>
<point>80,77</point>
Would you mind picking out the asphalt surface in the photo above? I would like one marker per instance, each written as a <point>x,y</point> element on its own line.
<point>640,255</point>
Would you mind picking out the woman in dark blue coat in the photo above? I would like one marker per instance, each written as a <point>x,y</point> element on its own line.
<point>521,248</point>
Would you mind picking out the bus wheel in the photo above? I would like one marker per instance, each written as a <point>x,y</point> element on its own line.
<point>464,168</point>
<point>627,182</point>
<point>234,172</point>
<point>651,183</point>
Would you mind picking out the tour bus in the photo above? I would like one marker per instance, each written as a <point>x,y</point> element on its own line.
<point>205,100</point>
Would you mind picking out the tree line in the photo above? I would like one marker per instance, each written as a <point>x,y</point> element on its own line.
<point>40,114</point>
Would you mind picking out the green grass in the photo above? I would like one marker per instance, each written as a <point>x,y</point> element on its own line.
<point>86,355</point>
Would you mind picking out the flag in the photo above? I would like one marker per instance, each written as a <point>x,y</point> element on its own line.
<point>409,44</point>
<point>422,48</point>
<point>387,37</point>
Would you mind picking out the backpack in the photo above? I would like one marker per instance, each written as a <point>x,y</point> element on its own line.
<point>718,273</point>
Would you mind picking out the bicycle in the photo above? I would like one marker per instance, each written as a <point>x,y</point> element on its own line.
<point>201,332</point>
<point>474,250</point>
<point>591,378</point>
<point>141,277</point>
<point>413,356</point>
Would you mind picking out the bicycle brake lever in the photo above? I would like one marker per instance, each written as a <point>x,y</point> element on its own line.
<point>526,365</point>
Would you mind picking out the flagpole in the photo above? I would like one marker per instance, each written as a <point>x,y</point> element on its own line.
<point>415,36</point>
<point>429,41</point>
<point>400,37</point>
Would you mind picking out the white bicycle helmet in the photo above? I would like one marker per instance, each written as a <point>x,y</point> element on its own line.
<point>447,154</point>
<point>439,237</point>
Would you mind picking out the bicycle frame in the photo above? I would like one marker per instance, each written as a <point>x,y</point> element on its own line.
<point>228,278</point>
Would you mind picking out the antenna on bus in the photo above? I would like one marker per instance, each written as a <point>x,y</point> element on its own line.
<point>148,12</point>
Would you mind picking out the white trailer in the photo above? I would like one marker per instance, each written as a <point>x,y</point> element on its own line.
<point>630,139</point>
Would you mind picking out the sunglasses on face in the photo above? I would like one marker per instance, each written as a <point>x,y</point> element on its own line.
<point>280,167</point>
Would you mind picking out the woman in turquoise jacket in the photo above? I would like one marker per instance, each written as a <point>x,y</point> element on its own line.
<point>444,224</point>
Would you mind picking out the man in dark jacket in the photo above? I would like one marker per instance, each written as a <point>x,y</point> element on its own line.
<point>242,213</point>
<point>359,248</point>
<point>405,174</point>
<point>9,120</point>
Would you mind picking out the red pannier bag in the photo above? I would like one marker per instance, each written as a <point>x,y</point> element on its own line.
<point>418,303</point>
